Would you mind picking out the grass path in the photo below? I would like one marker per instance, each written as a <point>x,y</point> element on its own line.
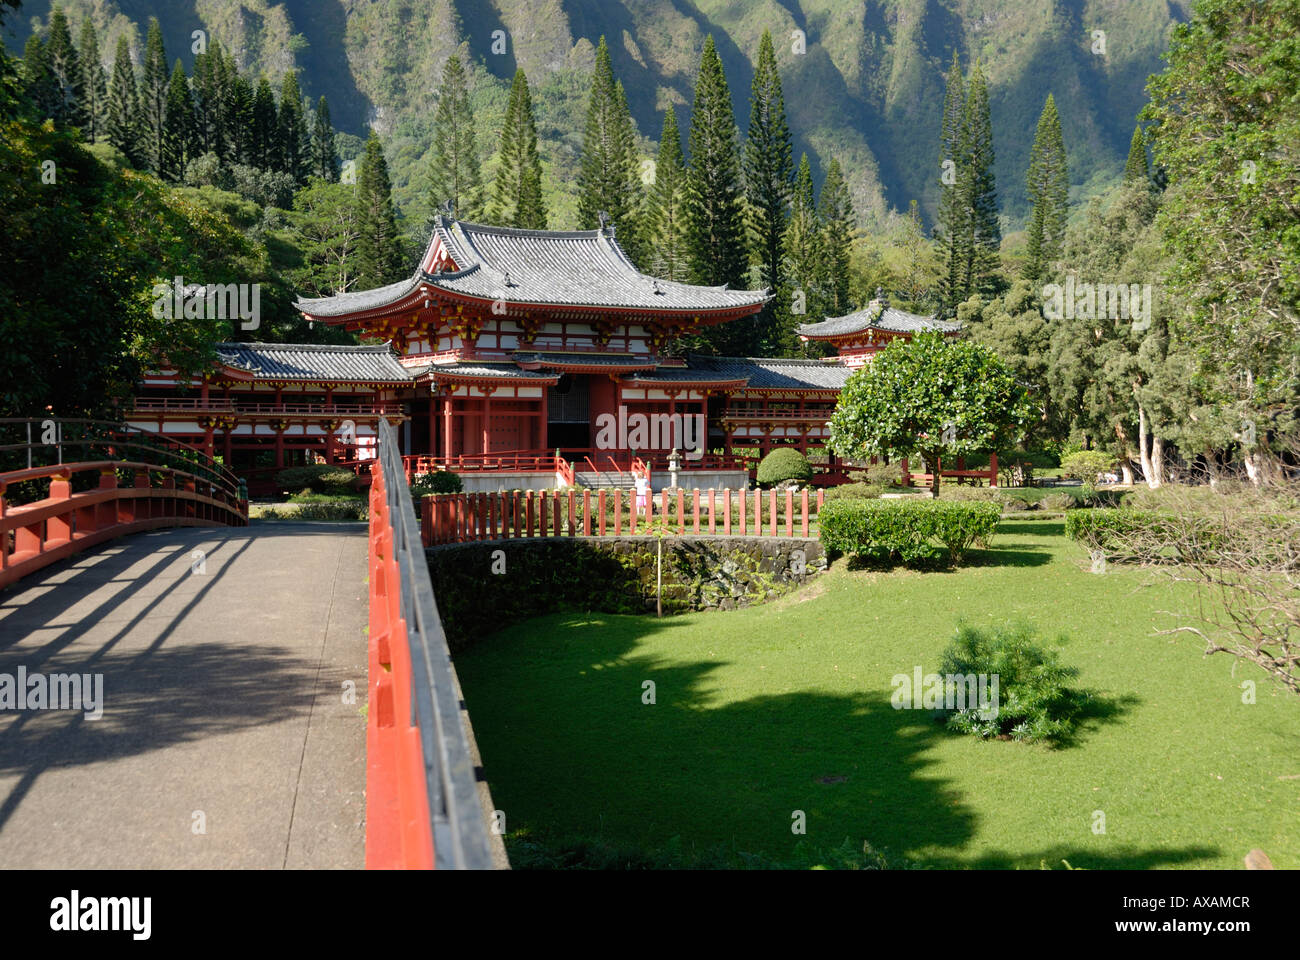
<point>784,707</point>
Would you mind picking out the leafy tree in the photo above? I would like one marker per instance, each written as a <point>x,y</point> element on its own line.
<point>327,232</point>
<point>769,174</point>
<point>835,210</point>
<point>154,81</point>
<point>94,85</point>
<point>930,395</point>
<point>714,208</point>
<point>609,181</point>
<point>1136,167</point>
<point>1048,183</point>
<point>65,65</point>
<point>1225,124</point>
<point>325,157</point>
<point>122,118</point>
<point>379,249</point>
<point>454,173</point>
<point>517,192</point>
<point>178,139</point>
<point>293,136</point>
<point>665,211</point>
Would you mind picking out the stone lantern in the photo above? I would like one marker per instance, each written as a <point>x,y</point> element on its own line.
<point>674,464</point>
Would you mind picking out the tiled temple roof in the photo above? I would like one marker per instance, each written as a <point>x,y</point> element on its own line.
<point>776,374</point>
<point>877,315</point>
<point>561,268</point>
<point>345,363</point>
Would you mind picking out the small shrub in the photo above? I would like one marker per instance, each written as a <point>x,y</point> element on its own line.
<point>853,491</point>
<point>318,478</point>
<point>343,510</point>
<point>907,530</point>
<point>884,474</point>
<point>1087,465</point>
<point>1034,701</point>
<point>783,464</point>
<point>440,481</point>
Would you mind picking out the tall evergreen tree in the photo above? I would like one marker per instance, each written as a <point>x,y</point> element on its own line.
<point>952,226</point>
<point>294,136</point>
<point>237,113</point>
<point>664,215</point>
<point>39,82</point>
<point>454,171</point>
<point>65,65</point>
<point>1137,168</point>
<point>210,101</point>
<point>178,126</point>
<point>980,191</point>
<point>835,211</point>
<point>714,207</point>
<point>769,170</point>
<point>379,248</point>
<point>608,178</point>
<point>1048,183</point>
<point>325,156</point>
<point>264,148</point>
<point>517,193</point>
<point>94,85</point>
<point>154,80</point>
<point>122,117</point>
<point>805,250</point>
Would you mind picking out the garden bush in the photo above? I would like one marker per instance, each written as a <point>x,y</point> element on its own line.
<point>1086,465</point>
<point>318,478</point>
<point>907,529</point>
<point>783,464</point>
<point>1034,701</point>
<point>852,491</point>
<point>440,481</point>
<point>1058,501</point>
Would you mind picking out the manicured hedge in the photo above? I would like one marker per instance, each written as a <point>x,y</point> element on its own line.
<point>1133,536</point>
<point>318,477</point>
<point>782,464</point>
<point>907,530</point>
<point>1261,540</point>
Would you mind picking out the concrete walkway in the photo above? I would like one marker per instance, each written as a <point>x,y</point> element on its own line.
<point>227,738</point>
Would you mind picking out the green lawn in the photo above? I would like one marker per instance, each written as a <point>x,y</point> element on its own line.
<point>784,707</point>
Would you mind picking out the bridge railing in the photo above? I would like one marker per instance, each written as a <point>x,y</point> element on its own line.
<point>422,802</point>
<point>143,483</point>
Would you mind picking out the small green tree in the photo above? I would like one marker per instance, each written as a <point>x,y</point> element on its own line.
<point>781,465</point>
<point>932,396</point>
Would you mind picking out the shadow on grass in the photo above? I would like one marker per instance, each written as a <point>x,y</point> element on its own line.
<point>572,749</point>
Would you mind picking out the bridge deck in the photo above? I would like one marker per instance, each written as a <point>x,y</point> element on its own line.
<point>225,739</point>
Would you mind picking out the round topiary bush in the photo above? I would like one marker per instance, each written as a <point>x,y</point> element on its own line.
<point>318,478</point>
<point>783,464</point>
<point>440,481</point>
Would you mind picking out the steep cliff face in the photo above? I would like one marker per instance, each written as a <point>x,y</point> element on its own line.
<point>863,78</point>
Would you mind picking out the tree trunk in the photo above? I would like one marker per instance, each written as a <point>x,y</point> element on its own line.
<point>1157,476</point>
<point>1126,469</point>
<point>1147,470</point>
<point>932,464</point>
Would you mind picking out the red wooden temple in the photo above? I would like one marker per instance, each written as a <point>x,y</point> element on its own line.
<point>507,346</point>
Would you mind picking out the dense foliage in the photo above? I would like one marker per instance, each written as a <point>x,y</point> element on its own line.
<point>909,530</point>
<point>782,465</point>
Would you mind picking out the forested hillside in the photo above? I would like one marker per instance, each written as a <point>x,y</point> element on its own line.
<point>866,89</point>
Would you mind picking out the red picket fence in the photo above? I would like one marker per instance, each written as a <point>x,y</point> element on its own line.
<point>466,517</point>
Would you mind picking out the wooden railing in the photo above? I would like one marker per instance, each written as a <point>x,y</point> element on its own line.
<point>289,408</point>
<point>990,473</point>
<point>466,517</point>
<point>176,486</point>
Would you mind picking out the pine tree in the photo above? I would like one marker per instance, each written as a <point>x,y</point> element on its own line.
<point>835,211</point>
<point>379,249</point>
<point>952,226</point>
<point>1137,167</point>
<point>980,194</point>
<point>325,157</point>
<point>264,150</point>
<point>454,171</point>
<point>154,80</point>
<point>122,116</point>
<point>714,208</point>
<point>768,173</point>
<point>517,193</point>
<point>65,65</point>
<point>94,85</point>
<point>1048,183</point>
<point>237,113</point>
<point>805,251</point>
<point>294,137</point>
<point>608,178</point>
<point>210,101</point>
<point>38,78</point>
<point>664,213</point>
<point>178,125</point>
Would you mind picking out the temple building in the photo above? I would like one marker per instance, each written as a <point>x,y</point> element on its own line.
<point>514,352</point>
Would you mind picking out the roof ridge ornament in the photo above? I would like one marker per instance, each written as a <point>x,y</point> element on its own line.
<point>449,209</point>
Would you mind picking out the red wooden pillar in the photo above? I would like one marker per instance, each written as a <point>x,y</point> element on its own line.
<point>803,514</point>
<point>446,425</point>
<point>600,510</point>
<point>789,512</point>
<point>993,469</point>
